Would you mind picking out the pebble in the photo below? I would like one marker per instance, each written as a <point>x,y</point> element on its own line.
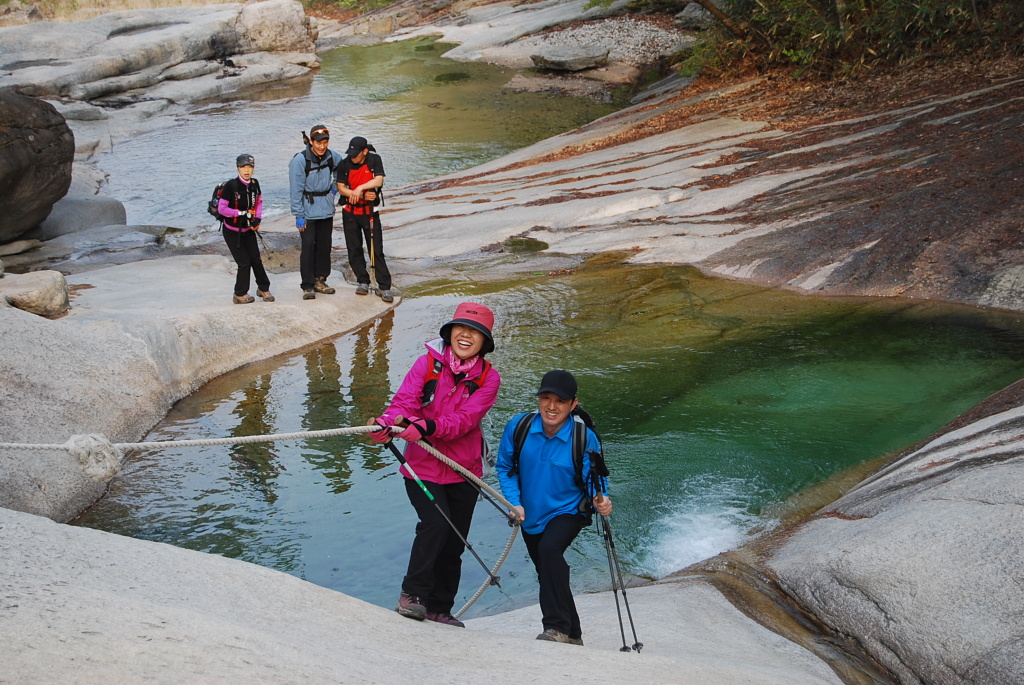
<point>630,40</point>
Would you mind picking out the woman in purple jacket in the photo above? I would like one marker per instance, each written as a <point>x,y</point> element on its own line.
<point>443,397</point>
<point>241,210</point>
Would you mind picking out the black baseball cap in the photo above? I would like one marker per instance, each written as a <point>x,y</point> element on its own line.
<point>356,145</point>
<point>319,132</point>
<point>245,160</point>
<point>559,382</point>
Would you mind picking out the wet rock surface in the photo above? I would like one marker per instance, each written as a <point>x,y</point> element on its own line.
<point>927,548</point>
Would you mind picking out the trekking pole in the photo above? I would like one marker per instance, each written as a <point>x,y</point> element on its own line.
<point>637,645</point>
<point>512,520</point>
<point>597,466</point>
<point>611,572</point>
<point>495,580</point>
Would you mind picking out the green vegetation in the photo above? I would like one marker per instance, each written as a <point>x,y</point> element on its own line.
<point>836,36</point>
<point>354,6</point>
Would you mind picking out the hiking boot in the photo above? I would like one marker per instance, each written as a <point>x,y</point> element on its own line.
<point>363,289</point>
<point>243,299</point>
<point>308,295</point>
<point>387,296</point>
<point>552,635</point>
<point>444,618</point>
<point>411,606</point>
<point>265,294</point>
<point>321,287</point>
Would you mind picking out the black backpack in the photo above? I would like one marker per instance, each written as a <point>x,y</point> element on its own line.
<point>582,420</point>
<point>211,206</point>
<point>218,192</point>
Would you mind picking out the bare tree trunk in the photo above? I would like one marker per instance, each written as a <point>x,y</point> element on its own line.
<point>734,28</point>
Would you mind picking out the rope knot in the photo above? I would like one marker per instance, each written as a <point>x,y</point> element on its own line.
<point>99,458</point>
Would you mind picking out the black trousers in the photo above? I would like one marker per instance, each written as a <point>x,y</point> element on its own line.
<point>435,564</point>
<point>315,259</point>
<point>246,253</point>
<point>547,550</point>
<point>357,227</point>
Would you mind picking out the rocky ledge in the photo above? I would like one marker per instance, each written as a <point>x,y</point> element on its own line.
<point>121,68</point>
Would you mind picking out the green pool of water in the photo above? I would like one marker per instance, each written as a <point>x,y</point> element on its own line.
<point>717,401</point>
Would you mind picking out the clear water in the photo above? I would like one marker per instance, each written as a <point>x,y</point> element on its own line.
<point>426,116</point>
<point>717,402</point>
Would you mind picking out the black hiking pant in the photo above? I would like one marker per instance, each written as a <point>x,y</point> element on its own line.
<point>547,550</point>
<point>358,227</point>
<point>315,259</point>
<point>435,564</point>
<point>246,253</point>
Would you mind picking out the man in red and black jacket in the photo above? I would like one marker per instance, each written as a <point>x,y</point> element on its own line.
<point>360,176</point>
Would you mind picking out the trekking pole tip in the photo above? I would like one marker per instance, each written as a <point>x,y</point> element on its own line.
<point>638,646</point>
<point>624,648</point>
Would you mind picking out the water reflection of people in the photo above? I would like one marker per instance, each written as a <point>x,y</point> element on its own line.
<point>256,462</point>
<point>370,371</point>
<point>444,397</point>
<point>324,410</point>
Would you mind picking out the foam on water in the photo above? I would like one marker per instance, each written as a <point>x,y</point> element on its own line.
<point>709,518</point>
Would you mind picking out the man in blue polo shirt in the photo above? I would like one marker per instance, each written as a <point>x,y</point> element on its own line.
<point>551,497</point>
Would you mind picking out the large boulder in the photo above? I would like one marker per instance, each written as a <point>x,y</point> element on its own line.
<point>275,27</point>
<point>36,152</point>
<point>693,18</point>
<point>921,564</point>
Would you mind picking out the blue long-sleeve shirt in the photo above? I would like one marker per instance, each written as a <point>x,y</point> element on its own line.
<point>546,483</point>
<point>319,180</point>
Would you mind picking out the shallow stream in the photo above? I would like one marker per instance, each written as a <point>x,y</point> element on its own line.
<point>426,116</point>
<point>718,403</point>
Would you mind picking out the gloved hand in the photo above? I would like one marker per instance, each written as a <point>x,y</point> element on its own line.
<point>334,190</point>
<point>417,429</point>
<point>381,437</point>
<point>300,223</point>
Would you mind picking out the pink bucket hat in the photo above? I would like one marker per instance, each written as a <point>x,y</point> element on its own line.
<point>476,316</point>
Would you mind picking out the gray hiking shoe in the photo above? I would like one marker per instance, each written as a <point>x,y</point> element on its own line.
<point>387,296</point>
<point>363,289</point>
<point>411,606</point>
<point>552,635</point>
<point>444,618</point>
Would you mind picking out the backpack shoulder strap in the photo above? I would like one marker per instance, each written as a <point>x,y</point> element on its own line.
<point>430,382</point>
<point>473,385</point>
<point>519,439</point>
<point>579,447</point>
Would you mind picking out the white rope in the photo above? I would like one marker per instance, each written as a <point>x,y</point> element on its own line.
<point>101,459</point>
<point>468,475</point>
<point>160,444</point>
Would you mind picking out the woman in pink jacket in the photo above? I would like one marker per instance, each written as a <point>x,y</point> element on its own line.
<point>443,397</point>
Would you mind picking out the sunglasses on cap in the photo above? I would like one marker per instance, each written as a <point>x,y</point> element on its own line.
<point>318,131</point>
